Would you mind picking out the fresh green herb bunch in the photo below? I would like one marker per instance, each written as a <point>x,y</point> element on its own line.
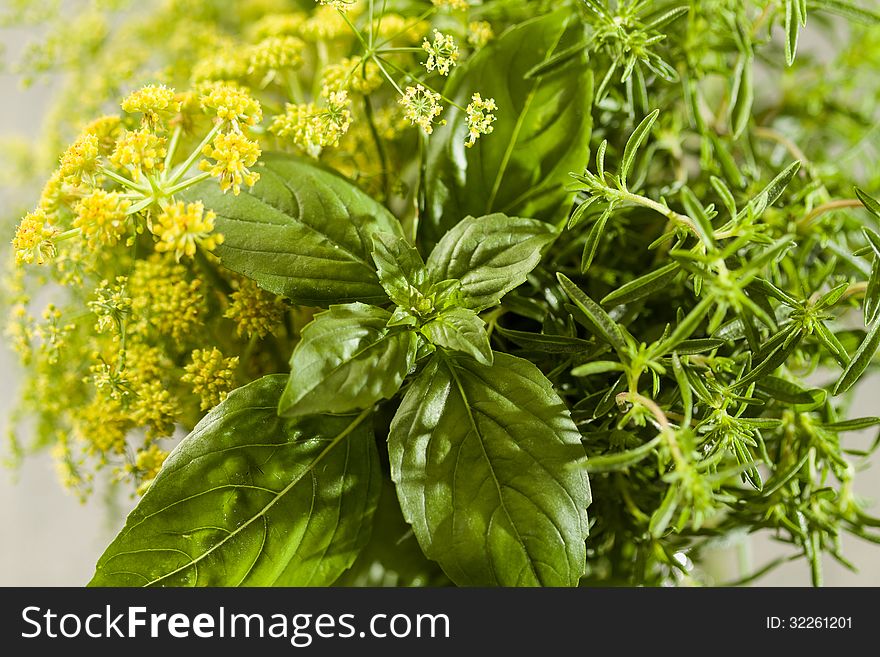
<point>482,293</point>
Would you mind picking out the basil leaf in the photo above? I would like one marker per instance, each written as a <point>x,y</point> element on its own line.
<point>336,366</point>
<point>251,499</point>
<point>542,134</point>
<point>482,457</point>
<point>462,330</point>
<point>490,255</point>
<point>400,267</point>
<point>302,232</point>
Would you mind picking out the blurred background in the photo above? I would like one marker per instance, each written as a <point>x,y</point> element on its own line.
<point>50,539</point>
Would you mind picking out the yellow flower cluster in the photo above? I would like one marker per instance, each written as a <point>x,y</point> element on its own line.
<point>233,104</point>
<point>351,74</point>
<point>256,312</point>
<point>102,217</point>
<point>182,227</point>
<point>211,376</point>
<point>442,53</point>
<point>479,118</point>
<point>164,299</point>
<point>154,102</point>
<point>325,24</point>
<point>112,305</point>
<point>81,158</point>
<point>479,33</point>
<point>154,407</point>
<point>141,151</point>
<point>33,239</point>
<point>311,127</point>
<point>146,466</point>
<point>421,107</point>
<point>233,154</point>
<point>275,53</point>
<point>273,25</point>
<point>102,425</point>
<point>107,130</point>
<point>52,334</point>
<point>456,5</point>
<point>223,67</point>
<point>341,5</point>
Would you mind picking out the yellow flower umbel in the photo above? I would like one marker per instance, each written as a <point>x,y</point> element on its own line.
<point>442,53</point>
<point>457,5</point>
<point>146,466</point>
<point>421,107</point>
<point>274,54</point>
<point>311,127</point>
<point>140,151</point>
<point>156,103</point>
<point>112,306</point>
<point>233,104</point>
<point>479,118</point>
<point>102,218</point>
<point>479,33</point>
<point>106,129</point>
<point>164,299</point>
<point>80,160</point>
<point>256,312</point>
<point>341,5</point>
<point>33,239</point>
<point>211,375</point>
<point>232,153</point>
<point>351,74</point>
<point>181,228</point>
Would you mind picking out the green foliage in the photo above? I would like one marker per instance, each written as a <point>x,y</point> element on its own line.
<point>582,349</point>
<point>251,499</point>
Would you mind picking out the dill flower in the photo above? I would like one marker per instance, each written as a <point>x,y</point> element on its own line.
<point>106,130</point>
<point>146,465</point>
<point>442,53</point>
<point>313,128</point>
<point>81,158</point>
<point>232,103</point>
<point>341,5</point>
<point>153,406</point>
<point>112,305</point>
<point>52,194</point>
<point>325,24</point>
<point>154,102</point>
<point>102,425</point>
<point>455,5</point>
<point>223,67</point>
<point>232,153</point>
<point>140,150</point>
<point>211,375</point>
<point>256,312</point>
<point>163,299</point>
<point>351,74</point>
<point>102,218</point>
<point>275,53</point>
<point>33,239</point>
<point>479,119</point>
<point>479,33</point>
<point>421,107</point>
<point>182,227</point>
<point>396,29</point>
<point>271,25</point>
